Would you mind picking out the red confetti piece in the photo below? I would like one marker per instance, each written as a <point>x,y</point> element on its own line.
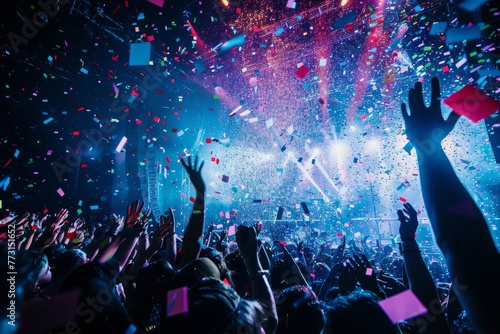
<point>302,71</point>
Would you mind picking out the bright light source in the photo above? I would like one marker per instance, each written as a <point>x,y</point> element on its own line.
<point>373,144</point>
<point>225,3</point>
<point>315,151</point>
<point>344,2</point>
<point>339,148</point>
<point>353,128</point>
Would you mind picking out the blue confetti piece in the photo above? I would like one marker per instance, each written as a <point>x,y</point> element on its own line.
<point>94,207</point>
<point>5,182</point>
<point>48,120</point>
<point>279,31</point>
<point>84,71</point>
<point>140,54</point>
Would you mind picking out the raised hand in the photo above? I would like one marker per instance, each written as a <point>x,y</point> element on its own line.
<point>78,223</point>
<point>161,232</point>
<point>59,219</point>
<point>408,222</point>
<point>133,213</point>
<point>246,238</point>
<point>169,221</point>
<point>348,279</point>
<point>117,223</point>
<point>426,124</point>
<point>7,219</point>
<point>194,172</point>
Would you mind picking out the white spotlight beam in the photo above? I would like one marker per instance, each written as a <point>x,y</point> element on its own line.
<point>322,169</point>
<point>308,176</point>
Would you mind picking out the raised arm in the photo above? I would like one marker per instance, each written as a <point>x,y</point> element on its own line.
<point>458,224</point>
<point>193,235</point>
<point>419,277</point>
<point>246,237</point>
<point>170,239</point>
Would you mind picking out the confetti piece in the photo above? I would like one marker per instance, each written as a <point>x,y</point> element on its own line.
<point>291,4</point>
<point>225,178</point>
<point>245,113</point>
<point>304,208</point>
<point>4,183</point>
<point>472,103</point>
<point>458,35</point>
<point>279,216</point>
<point>302,71</point>
<point>48,120</point>
<point>402,306</point>
<point>279,31</point>
<point>140,54</point>
<point>408,147</point>
<point>235,111</point>
<point>158,3</point>
<point>177,301</point>
<point>438,28</point>
<point>122,143</point>
<point>60,192</point>
<point>232,43</point>
<point>347,18</point>
<point>471,5</point>
<point>269,123</point>
<point>231,230</point>
<point>200,66</point>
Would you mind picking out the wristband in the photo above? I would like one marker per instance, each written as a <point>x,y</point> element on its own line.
<point>260,273</point>
<point>409,247</point>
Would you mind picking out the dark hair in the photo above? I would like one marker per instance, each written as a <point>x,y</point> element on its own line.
<point>96,283</point>
<point>214,308</point>
<point>151,288</point>
<point>53,251</point>
<point>281,277</point>
<point>218,259</point>
<point>238,272</point>
<point>358,312</point>
<point>30,264</point>
<point>68,261</point>
<point>299,311</point>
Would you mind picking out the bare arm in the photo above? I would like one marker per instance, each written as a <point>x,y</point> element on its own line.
<point>458,224</point>
<point>419,277</point>
<point>193,235</point>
